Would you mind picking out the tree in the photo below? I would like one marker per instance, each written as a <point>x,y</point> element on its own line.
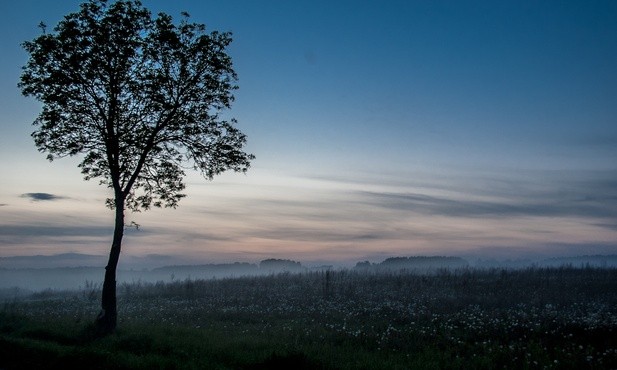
<point>140,99</point>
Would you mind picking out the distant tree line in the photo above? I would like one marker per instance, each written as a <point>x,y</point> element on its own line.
<point>418,263</point>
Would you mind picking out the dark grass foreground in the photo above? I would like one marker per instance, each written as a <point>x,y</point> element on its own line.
<point>562,318</point>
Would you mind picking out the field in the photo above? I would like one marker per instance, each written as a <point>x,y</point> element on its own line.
<point>536,318</point>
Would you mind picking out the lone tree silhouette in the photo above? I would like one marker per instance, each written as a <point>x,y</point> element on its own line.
<point>140,98</point>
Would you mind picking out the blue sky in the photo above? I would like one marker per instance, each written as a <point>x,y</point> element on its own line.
<point>474,128</point>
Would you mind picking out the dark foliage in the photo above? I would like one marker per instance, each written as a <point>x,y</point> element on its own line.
<point>139,97</point>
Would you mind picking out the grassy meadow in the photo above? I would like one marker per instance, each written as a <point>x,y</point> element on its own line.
<point>535,318</point>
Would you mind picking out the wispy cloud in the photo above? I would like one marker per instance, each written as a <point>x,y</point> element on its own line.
<point>42,196</point>
<point>588,195</point>
<point>315,234</point>
<point>45,230</point>
<point>611,226</point>
<point>488,209</point>
<point>338,219</point>
<point>600,207</point>
<point>192,237</point>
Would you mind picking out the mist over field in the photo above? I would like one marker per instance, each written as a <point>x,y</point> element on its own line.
<point>73,271</point>
<point>373,316</point>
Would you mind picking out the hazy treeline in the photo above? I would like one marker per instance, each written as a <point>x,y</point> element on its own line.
<point>414,264</point>
<point>24,280</point>
<point>21,281</point>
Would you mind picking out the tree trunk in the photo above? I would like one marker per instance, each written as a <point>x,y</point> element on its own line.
<point>107,319</point>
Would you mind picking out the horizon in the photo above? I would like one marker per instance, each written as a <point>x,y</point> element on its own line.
<point>76,272</point>
<point>380,130</point>
<point>153,262</point>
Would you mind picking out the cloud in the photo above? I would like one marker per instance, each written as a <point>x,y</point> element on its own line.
<point>590,195</point>
<point>594,207</point>
<point>42,196</point>
<point>28,231</point>
<point>3,204</point>
<point>308,234</point>
<point>611,226</point>
<point>19,231</point>
<point>190,237</point>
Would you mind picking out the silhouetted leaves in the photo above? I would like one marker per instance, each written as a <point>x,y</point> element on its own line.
<point>139,97</point>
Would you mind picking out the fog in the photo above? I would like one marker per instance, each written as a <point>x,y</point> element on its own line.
<point>27,274</point>
<point>20,276</point>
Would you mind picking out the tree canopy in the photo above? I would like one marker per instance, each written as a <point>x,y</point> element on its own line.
<point>139,97</point>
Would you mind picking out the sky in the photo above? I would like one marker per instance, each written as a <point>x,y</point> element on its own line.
<point>479,129</point>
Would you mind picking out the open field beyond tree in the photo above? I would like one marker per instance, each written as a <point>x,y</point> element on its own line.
<point>485,319</point>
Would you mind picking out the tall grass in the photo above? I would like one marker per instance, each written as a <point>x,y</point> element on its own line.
<point>533,318</point>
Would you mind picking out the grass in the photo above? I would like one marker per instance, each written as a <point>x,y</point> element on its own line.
<point>26,343</point>
<point>469,319</point>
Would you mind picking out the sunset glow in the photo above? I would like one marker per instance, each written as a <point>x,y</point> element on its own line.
<point>379,129</point>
